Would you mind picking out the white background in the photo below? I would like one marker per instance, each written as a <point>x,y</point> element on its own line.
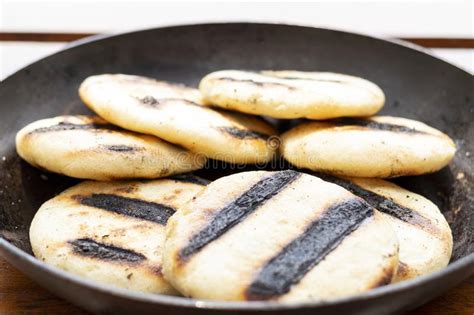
<point>379,18</point>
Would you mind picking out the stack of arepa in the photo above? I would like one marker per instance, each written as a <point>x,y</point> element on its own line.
<point>327,226</point>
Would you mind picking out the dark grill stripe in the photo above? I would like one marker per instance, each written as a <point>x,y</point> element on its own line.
<point>120,148</point>
<point>189,178</point>
<point>321,80</point>
<point>262,84</point>
<point>153,102</point>
<point>297,258</point>
<point>63,126</point>
<point>90,248</point>
<point>306,79</point>
<point>149,100</point>
<point>373,125</point>
<point>256,83</point>
<point>140,209</point>
<point>237,210</point>
<point>243,133</point>
<point>384,204</point>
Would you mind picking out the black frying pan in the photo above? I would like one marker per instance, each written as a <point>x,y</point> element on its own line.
<point>416,84</point>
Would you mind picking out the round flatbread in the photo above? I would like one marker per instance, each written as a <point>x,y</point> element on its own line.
<point>173,112</point>
<point>381,146</point>
<point>424,235</point>
<point>292,94</point>
<point>111,232</point>
<point>89,147</point>
<point>282,236</point>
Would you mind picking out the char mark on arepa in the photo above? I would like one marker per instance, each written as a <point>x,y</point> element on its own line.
<point>132,207</point>
<point>190,178</point>
<point>370,124</point>
<point>383,204</point>
<point>153,102</point>
<point>384,279</point>
<point>244,133</point>
<point>305,79</point>
<point>93,249</point>
<point>256,83</point>
<point>120,148</point>
<point>296,259</point>
<point>237,210</point>
<point>149,100</point>
<point>63,126</point>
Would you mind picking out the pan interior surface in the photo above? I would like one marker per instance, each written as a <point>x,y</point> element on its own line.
<point>416,85</point>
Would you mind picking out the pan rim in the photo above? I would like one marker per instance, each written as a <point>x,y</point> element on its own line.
<point>103,36</point>
<point>464,262</point>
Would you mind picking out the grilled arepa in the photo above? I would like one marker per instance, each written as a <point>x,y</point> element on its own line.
<point>283,236</point>
<point>111,232</point>
<point>292,94</point>
<point>380,146</point>
<point>89,147</point>
<point>174,113</point>
<point>423,233</point>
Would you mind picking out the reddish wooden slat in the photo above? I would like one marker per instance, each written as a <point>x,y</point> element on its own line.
<point>442,42</point>
<point>67,37</point>
<point>42,37</point>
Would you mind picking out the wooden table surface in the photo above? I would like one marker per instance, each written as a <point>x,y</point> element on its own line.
<point>20,295</point>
